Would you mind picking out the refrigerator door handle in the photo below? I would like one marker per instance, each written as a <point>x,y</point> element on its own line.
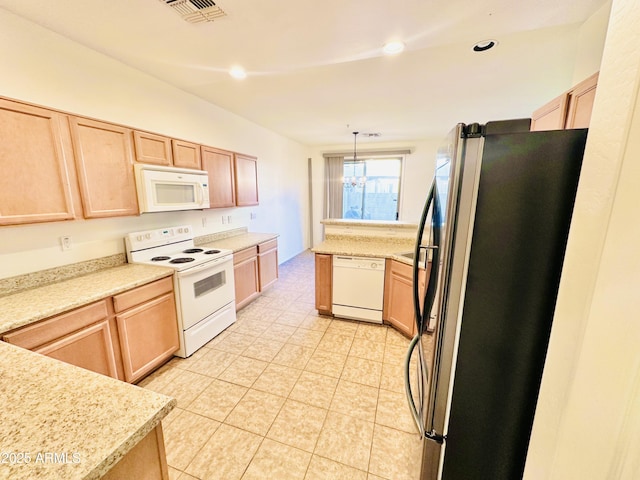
<point>415,414</point>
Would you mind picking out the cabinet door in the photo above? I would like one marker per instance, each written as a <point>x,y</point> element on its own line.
<point>581,99</point>
<point>35,164</point>
<point>104,158</point>
<point>152,148</point>
<point>550,116</point>
<point>324,275</point>
<point>246,170</point>
<point>89,348</point>
<point>219,164</point>
<point>186,154</point>
<point>148,336</point>
<point>268,263</point>
<point>246,276</point>
<point>399,295</point>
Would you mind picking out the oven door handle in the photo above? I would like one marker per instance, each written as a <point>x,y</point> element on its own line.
<point>207,266</point>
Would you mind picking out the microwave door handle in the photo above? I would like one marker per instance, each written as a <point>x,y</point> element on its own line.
<point>200,194</point>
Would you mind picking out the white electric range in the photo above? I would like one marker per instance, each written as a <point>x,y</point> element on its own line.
<point>203,281</point>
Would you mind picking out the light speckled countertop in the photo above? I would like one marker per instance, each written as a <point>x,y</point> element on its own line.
<point>35,304</point>
<point>369,223</point>
<point>238,242</point>
<point>358,246</point>
<point>88,420</point>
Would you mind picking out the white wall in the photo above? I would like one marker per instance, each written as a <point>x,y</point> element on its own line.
<point>419,167</point>
<point>588,418</point>
<point>44,68</point>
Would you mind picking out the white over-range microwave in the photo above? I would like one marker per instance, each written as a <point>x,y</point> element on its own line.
<point>167,189</point>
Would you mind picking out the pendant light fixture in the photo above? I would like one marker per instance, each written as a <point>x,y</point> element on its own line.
<point>353,181</point>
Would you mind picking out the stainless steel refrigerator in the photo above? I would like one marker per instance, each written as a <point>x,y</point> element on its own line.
<point>492,236</point>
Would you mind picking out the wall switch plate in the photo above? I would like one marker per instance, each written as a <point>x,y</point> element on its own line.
<point>224,219</point>
<point>66,243</point>
<point>228,218</point>
<point>253,215</point>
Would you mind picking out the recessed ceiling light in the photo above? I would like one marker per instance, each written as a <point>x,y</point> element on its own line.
<point>484,45</point>
<point>393,48</point>
<point>238,73</point>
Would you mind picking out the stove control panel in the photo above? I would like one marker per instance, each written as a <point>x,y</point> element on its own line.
<point>158,237</point>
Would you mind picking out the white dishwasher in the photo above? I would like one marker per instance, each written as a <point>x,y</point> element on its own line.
<point>358,288</point>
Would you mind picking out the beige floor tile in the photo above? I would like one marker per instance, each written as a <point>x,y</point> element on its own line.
<point>252,326</point>
<point>368,349</point>
<point>160,377</point>
<point>294,356</point>
<point>275,460</point>
<point>186,476</point>
<point>306,337</point>
<point>343,327</point>
<point>298,425</point>
<point>336,342</point>
<point>174,474</point>
<point>185,436</point>
<point>324,469</point>
<point>392,377</point>
<point>226,455</point>
<point>217,400</point>
<point>171,416</point>
<point>326,363</point>
<point>394,337</point>
<point>278,332</point>
<point>316,322</point>
<point>293,319</point>
<point>394,454</point>
<point>212,362</point>
<point>346,440</point>
<point>185,387</point>
<point>371,476</point>
<point>281,303</point>
<point>355,400</point>
<point>184,363</point>
<point>314,389</point>
<point>255,412</point>
<point>304,304</point>
<point>277,379</point>
<point>370,331</point>
<point>360,370</point>
<point>263,349</point>
<point>243,371</point>
<point>233,343</point>
<point>393,411</point>
<point>395,353</point>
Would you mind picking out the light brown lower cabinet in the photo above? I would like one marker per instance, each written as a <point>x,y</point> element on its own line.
<point>146,461</point>
<point>147,327</point>
<point>398,307</point>
<point>268,263</point>
<point>124,337</point>
<point>246,276</point>
<point>324,279</point>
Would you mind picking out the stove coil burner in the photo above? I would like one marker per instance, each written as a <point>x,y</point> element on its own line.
<point>182,260</point>
<point>211,252</point>
<point>159,259</point>
<point>192,250</point>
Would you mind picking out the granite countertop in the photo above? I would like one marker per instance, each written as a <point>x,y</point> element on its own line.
<point>344,222</point>
<point>27,306</point>
<point>237,242</point>
<point>358,246</point>
<point>89,421</point>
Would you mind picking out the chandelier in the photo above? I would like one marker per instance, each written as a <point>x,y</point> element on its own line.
<point>354,181</point>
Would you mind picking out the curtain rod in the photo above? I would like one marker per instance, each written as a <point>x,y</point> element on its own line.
<point>377,153</point>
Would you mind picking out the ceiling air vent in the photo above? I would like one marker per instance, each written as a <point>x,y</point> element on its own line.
<point>196,11</point>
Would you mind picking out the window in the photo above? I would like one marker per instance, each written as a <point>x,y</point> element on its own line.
<point>371,188</point>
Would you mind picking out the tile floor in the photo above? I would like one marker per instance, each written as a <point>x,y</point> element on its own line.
<point>287,394</point>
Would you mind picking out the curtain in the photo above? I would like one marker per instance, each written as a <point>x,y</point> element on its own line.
<point>333,173</point>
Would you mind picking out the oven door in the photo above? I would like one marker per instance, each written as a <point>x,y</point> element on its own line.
<point>204,289</point>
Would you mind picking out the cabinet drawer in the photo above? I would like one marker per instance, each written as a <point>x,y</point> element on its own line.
<point>139,295</point>
<point>46,331</point>
<point>242,255</point>
<point>266,246</point>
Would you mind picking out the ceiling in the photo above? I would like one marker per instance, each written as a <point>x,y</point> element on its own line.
<point>316,71</point>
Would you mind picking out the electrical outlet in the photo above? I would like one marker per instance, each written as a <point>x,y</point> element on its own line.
<point>66,243</point>
<point>228,218</point>
<point>253,215</point>
<point>224,219</point>
<point>204,222</point>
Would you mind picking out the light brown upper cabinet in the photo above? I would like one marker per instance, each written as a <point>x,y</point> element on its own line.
<point>246,171</point>
<point>104,161</point>
<point>152,148</point>
<point>572,109</point>
<point>186,154</point>
<point>37,165</point>
<point>219,164</point>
